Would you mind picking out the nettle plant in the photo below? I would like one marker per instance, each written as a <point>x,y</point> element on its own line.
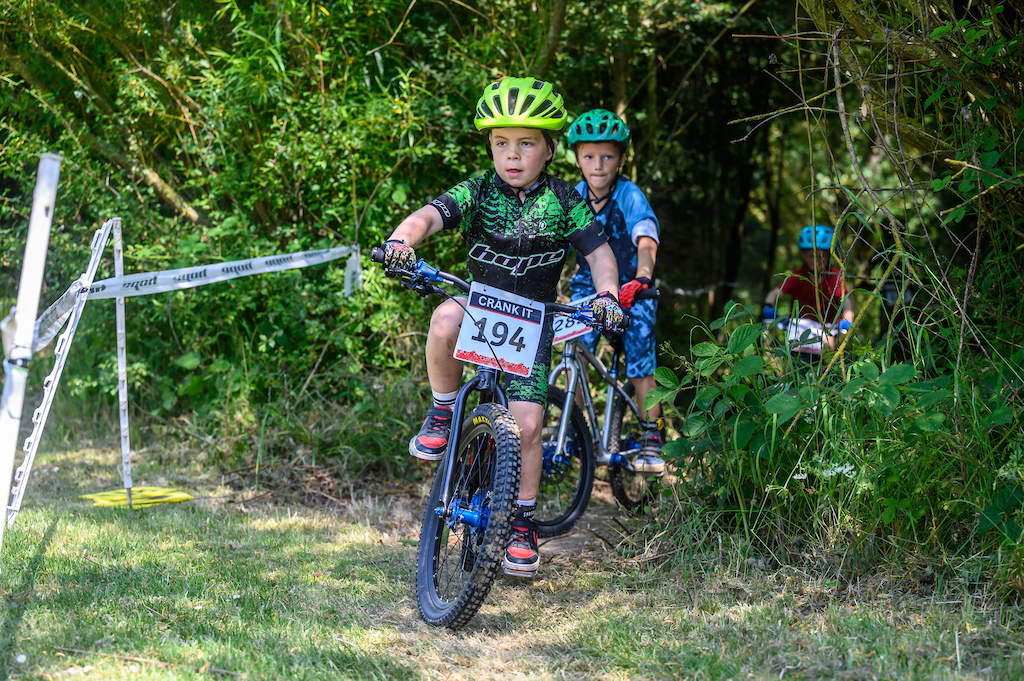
<point>850,448</point>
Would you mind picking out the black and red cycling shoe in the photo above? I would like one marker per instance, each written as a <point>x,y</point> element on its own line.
<point>430,443</point>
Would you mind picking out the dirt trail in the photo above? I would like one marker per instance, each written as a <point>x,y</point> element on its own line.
<point>597,532</point>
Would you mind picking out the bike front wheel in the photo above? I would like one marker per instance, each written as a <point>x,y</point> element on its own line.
<point>567,475</point>
<point>462,543</point>
<point>632,490</point>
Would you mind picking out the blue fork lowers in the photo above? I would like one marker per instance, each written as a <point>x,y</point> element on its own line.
<point>466,527</point>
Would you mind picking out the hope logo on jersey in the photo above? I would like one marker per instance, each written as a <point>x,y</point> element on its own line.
<point>518,266</point>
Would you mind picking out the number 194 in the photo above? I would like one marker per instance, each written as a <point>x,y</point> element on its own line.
<point>499,334</point>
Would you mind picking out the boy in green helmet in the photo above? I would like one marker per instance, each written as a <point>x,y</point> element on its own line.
<point>599,139</point>
<point>518,223</point>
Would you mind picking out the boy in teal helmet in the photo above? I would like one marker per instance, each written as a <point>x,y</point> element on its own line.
<point>600,139</point>
<point>518,223</point>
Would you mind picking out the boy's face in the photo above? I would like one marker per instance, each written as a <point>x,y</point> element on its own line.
<point>519,155</point>
<point>822,255</point>
<point>600,163</point>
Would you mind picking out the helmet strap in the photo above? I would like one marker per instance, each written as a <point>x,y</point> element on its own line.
<point>594,202</point>
<point>551,147</point>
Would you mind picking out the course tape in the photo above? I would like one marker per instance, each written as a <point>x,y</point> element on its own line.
<point>141,496</point>
<point>55,316</point>
<point>147,283</point>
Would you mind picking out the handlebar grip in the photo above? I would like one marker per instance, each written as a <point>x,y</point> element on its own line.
<point>647,293</point>
<point>559,307</point>
<point>377,254</point>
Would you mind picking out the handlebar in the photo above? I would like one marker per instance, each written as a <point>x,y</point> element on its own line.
<point>647,293</point>
<point>784,322</point>
<point>424,277</point>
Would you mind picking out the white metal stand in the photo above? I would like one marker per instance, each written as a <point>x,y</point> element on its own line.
<point>122,366</point>
<point>16,363</point>
<point>99,241</point>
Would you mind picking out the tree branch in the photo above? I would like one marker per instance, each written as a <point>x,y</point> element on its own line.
<point>133,167</point>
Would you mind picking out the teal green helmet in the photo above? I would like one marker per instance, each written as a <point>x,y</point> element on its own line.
<point>599,125</point>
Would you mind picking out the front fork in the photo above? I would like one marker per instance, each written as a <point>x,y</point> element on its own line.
<point>485,381</point>
<point>571,366</point>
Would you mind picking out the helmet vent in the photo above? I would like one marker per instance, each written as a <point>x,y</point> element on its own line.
<point>590,129</point>
<point>513,95</point>
<point>520,102</point>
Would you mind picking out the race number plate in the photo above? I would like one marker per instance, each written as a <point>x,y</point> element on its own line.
<point>809,331</point>
<point>567,328</point>
<point>501,330</point>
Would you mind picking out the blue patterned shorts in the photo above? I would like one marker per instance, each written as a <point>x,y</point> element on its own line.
<point>641,346</point>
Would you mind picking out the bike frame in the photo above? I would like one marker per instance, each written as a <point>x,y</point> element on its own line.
<point>485,381</point>
<point>576,375</point>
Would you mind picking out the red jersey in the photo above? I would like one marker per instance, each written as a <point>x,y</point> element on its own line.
<point>823,302</point>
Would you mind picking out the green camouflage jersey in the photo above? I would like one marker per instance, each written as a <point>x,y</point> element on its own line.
<point>519,246</point>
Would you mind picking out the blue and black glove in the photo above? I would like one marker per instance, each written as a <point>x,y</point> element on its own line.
<point>768,314</point>
<point>607,311</point>
<point>398,256</point>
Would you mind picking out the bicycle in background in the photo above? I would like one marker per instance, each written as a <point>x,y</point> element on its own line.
<point>571,451</point>
<point>805,338</point>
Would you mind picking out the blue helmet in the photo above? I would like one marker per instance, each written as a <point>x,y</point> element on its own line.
<point>816,236</point>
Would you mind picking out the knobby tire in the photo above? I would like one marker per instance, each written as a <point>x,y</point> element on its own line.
<point>631,490</point>
<point>456,564</point>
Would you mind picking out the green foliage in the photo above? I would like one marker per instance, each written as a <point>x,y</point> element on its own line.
<point>849,448</point>
<point>221,132</point>
<point>228,130</point>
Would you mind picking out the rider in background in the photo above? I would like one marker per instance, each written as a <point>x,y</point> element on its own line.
<point>816,288</point>
<point>518,223</point>
<point>599,139</point>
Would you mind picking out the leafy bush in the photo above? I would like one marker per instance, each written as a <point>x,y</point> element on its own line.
<point>855,447</point>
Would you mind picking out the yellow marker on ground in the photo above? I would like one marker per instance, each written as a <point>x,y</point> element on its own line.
<point>141,496</point>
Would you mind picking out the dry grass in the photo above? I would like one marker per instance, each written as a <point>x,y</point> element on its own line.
<point>326,591</point>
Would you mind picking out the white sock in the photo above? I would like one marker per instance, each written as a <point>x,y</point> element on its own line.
<point>444,399</point>
<point>525,508</point>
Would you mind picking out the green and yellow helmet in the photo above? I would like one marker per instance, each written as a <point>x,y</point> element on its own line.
<point>598,125</point>
<point>520,103</point>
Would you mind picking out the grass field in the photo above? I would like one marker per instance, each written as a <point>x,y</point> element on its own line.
<point>241,584</point>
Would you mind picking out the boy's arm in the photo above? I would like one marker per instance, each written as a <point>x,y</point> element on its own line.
<point>768,308</point>
<point>605,274</point>
<point>646,256</point>
<point>603,269</point>
<point>398,248</point>
<point>418,226</point>
<point>848,310</point>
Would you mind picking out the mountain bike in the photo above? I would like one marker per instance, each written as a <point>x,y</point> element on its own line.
<point>466,524</point>
<point>571,452</point>
<point>805,338</point>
